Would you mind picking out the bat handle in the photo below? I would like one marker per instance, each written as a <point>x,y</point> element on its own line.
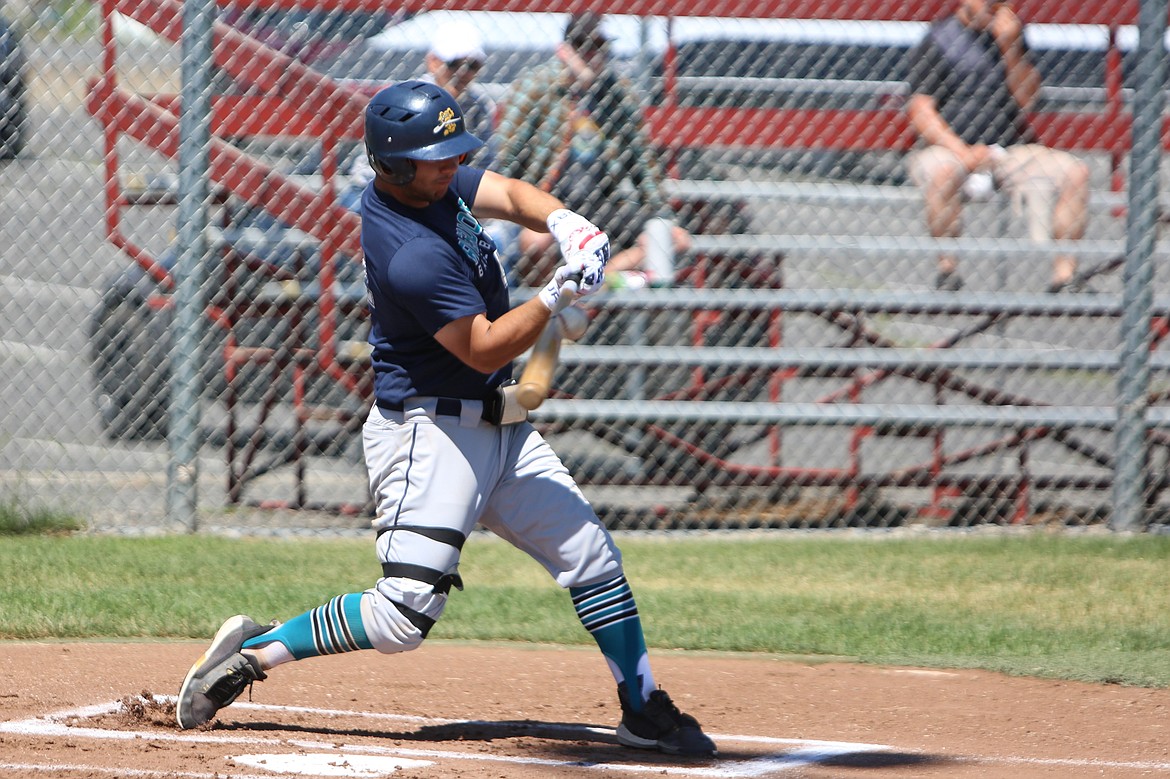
<point>537,378</point>
<point>565,299</point>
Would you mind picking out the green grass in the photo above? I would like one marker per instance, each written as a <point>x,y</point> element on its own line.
<point>19,518</point>
<point>1077,607</point>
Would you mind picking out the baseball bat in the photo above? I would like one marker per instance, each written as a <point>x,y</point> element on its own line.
<point>536,381</point>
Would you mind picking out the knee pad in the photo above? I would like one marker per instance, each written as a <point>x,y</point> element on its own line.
<point>397,616</point>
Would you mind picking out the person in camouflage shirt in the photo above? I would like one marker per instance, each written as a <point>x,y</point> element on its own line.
<point>573,127</point>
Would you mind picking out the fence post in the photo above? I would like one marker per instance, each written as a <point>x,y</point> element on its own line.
<point>1137,295</point>
<point>183,436</point>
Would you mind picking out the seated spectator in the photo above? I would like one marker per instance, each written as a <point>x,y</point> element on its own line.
<point>971,82</point>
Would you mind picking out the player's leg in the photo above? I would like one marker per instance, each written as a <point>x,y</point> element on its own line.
<point>422,524</point>
<point>243,651</point>
<point>538,508</point>
<point>427,476</point>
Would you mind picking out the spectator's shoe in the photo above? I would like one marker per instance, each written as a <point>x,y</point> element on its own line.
<point>660,725</point>
<point>220,675</point>
<point>948,281</point>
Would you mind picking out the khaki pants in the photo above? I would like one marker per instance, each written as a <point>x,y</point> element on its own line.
<point>1032,175</point>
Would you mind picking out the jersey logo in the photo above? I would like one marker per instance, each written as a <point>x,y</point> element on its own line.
<point>469,234</point>
<point>447,122</point>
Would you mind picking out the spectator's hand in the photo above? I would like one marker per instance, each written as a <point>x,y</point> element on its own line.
<point>584,74</point>
<point>681,241</point>
<point>1006,27</point>
<point>976,156</point>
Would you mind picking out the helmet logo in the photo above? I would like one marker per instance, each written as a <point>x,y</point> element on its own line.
<point>447,122</point>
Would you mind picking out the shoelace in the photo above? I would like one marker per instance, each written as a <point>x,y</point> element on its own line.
<point>230,686</point>
<point>662,699</point>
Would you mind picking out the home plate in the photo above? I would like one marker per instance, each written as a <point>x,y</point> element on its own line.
<point>330,765</point>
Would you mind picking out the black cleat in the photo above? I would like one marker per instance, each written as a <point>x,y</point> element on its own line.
<point>220,675</point>
<point>660,725</point>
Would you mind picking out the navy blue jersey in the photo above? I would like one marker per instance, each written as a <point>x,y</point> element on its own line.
<point>425,268</point>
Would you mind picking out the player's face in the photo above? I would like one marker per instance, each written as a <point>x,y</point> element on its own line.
<point>431,179</point>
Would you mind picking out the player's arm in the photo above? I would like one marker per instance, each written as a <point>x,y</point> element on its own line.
<point>500,197</point>
<point>488,346</point>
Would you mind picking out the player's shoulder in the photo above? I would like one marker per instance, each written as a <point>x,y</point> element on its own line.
<point>386,233</point>
<point>413,265</point>
<point>380,217</point>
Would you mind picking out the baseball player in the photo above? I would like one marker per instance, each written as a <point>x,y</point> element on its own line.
<point>445,444</point>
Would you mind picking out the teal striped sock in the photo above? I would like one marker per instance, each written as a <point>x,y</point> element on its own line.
<point>326,630</point>
<point>608,612</point>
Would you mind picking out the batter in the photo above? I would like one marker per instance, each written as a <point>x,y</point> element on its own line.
<point>444,447</point>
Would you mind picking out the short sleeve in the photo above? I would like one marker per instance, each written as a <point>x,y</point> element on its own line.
<point>436,288</point>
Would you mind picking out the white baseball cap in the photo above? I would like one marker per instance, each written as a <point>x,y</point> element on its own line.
<point>458,40</point>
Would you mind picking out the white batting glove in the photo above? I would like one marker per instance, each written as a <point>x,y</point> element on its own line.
<point>588,265</point>
<point>564,282</point>
<point>574,232</point>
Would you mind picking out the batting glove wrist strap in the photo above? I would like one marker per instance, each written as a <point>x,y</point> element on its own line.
<point>563,282</point>
<point>562,223</point>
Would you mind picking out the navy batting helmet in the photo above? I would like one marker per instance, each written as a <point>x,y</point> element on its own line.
<point>414,120</point>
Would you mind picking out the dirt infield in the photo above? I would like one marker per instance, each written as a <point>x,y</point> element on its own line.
<point>473,710</point>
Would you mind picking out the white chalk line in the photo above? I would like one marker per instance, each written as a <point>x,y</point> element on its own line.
<point>68,768</point>
<point>804,752</point>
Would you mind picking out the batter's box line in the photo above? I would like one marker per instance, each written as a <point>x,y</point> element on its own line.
<point>804,752</point>
<point>51,724</point>
<point>60,769</point>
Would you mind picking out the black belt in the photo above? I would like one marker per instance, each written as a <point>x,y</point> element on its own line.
<point>493,407</point>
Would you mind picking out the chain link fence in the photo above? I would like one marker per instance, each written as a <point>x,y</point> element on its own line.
<point>805,359</point>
